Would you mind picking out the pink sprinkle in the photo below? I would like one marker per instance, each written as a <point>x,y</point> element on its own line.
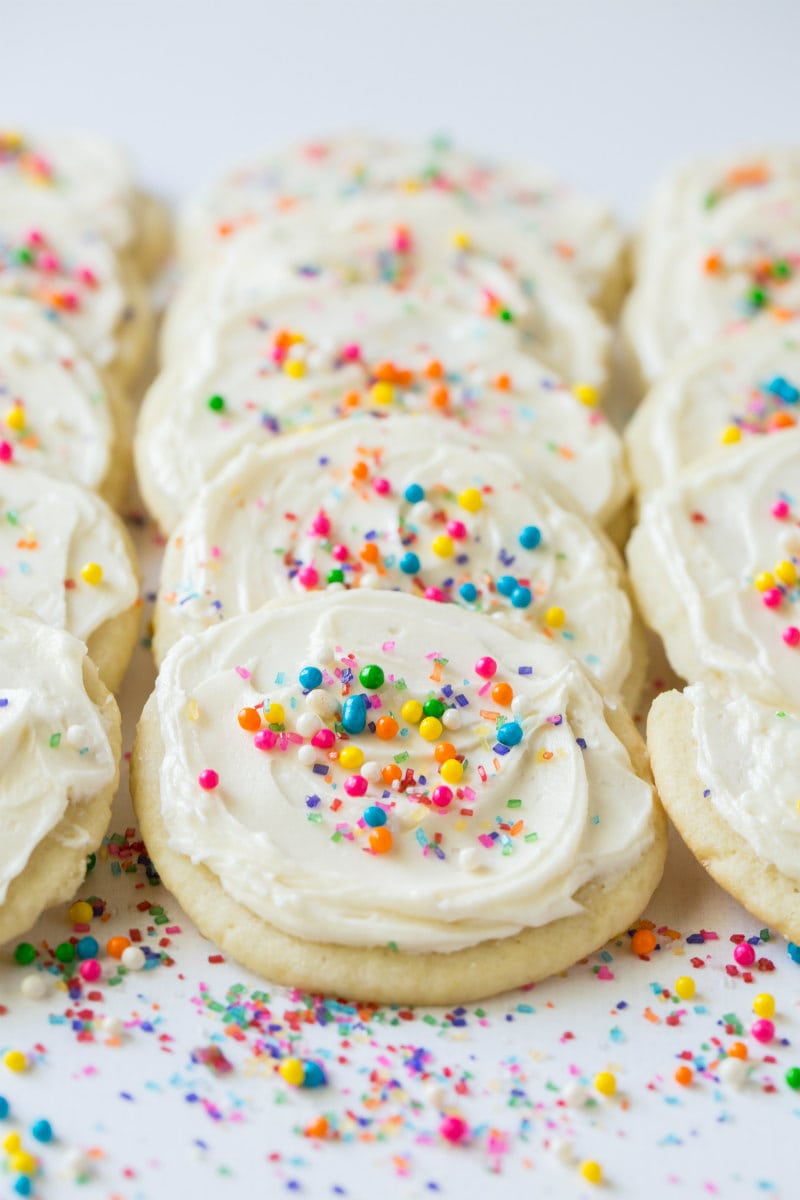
<point>351,353</point>
<point>435,594</point>
<point>323,739</point>
<point>355,785</point>
<point>70,300</point>
<point>402,240</point>
<point>486,667</point>
<point>6,452</point>
<point>486,840</point>
<point>744,954</point>
<point>453,1129</point>
<point>34,238</point>
<point>457,530</point>
<point>265,739</point>
<point>208,780</point>
<point>780,510</point>
<point>48,261</point>
<point>763,1030</point>
<point>215,552</point>
<point>382,487</point>
<point>87,276</point>
<point>387,647</point>
<point>321,525</point>
<point>791,635</point>
<point>772,597</point>
<point>243,672</point>
<point>308,577</point>
<point>90,970</point>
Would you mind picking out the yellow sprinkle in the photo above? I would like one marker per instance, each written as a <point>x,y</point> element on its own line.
<point>15,418</point>
<point>452,770</point>
<point>730,435</point>
<point>461,240</point>
<point>411,712</point>
<point>555,617</point>
<point>764,1005</point>
<point>786,572</point>
<point>605,1083</point>
<point>684,987</point>
<point>12,1142</point>
<point>274,714</point>
<point>764,581</point>
<point>291,1070</point>
<point>471,500</point>
<point>92,573</point>
<point>351,757</point>
<point>192,711</point>
<point>15,1060</point>
<point>442,545</point>
<point>591,1171</point>
<point>430,728</point>
<point>295,339</point>
<point>587,394</point>
<point>23,1163</point>
<point>382,392</point>
<point>294,367</point>
<point>80,913</point>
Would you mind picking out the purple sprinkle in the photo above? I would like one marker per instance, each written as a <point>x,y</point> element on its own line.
<point>422,780</point>
<point>447,691</point>
<point>581,742</point>
<point>499,748</point>
<point>312,801</point>
<point>461,700</point>
<point>3,702</point>
<point>706,793</point>
<point>695,939</point>
<point>525,671</point>
<point>319,769</point>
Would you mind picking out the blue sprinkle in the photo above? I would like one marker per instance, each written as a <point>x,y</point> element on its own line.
<point>312,801</point>
<point>4,1107</point>
<point>793,951</point>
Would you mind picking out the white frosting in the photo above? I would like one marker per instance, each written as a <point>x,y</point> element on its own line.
<point>54,742</point>
<point>299,501</point>
<point>72,275</point>
<point>426,242</point>
<point>269,832</point>
<point>744,754</point>
<point>697,192</point>
<point>182,442</point>
<point>741,268</point>
<point>741,386</point>
<point>314,177</point>
<point>49,530</point>
<point>712,534</point>
<point>45,175</point>
<point>68,426</point>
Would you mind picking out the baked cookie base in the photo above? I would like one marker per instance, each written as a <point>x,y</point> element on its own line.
<point>377,973</point>
<point>758,886</point>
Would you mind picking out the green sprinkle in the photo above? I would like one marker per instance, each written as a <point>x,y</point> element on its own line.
<point>216,403</point>
<point>531,837</point>
<point>514,803</point>
<point>55,741</point>
<point>393,947</point>
<point>401,758</point>
<point>314,817</point>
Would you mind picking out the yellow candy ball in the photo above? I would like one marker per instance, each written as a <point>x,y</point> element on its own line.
<point>461,240</point>
<point>274,714</point>
<point>452,770</point>
<point>351,757</point>
<point>15,418</point>
<point>684,987</point>
<point>471,500</point>
<point>730,435</point>
<point>382,392</point>
<point>786,572</point>
<point>23,1163</point>
<point>430,728</point>
<point>291,1071</point>
<point>764,1005</point>
<point>81,912</point>
<point>15,1060</point>
<point>587,394</point>
<point>411,712</point>
<point>605,1083</point>
<point>11,1143</point>
<point>295,367</point>
<point>591,1171</point>
<point>442,545</point>
<point>764,581</point>
<point>92,573</point>
<point>555,617</point>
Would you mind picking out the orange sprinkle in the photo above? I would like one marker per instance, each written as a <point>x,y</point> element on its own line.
<point>440,397</point>
<point>434,369</point>
<point>360,470</point>
<point>436,673</point>
<point>517,828</point>
<point>502,382</point>
<point>780,420</point>
<point>712,264</point>
<point>747,173</point>
<point>369,552</point>
<point>351,400</point>
<point>317,1128</point>
<point>650,1016</point>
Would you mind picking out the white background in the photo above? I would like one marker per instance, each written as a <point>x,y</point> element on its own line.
<point>606,91</point>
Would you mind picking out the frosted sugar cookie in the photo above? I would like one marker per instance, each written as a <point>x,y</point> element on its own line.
<point>328,354</point>
<point>394,507</point>
<point>314,177</point>
<point>426,243</point>
<point>81,286</point>
<point>393,800</point>
<point>726,769</point>
<point>47,175</point>
<point>57,412</point>
<point>67,557</point>
<point>59,753</point>
<point>740,386</point>
<point>697,192</point>
<point>715,563</point>
<point>742,268</point>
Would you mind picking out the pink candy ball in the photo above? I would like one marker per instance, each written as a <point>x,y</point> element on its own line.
<point>744,954</point>
<point>441,796</point>
<point>772,597</point>
<point>265,739</point>
<point>763,1030</point>
<point>323,739</point>
<point>90,970</point>
<point>453,1129</point>
<point>355,785</point>
<point>308,577</point>
<point>208,780</point>
<point>485,667</point>
<point>791,635</point>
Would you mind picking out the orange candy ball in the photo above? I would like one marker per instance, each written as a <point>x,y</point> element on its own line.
<point>502,693</point>
<point>249,719</point>
<point>643,941</point>
<point>369,552</point>
<point>380,840</point>
<point>116,946</point>
<point>684,1076</point>
<point>737,1050</point>
<point>360,470</point>
<point>386,728</point>
<point>391,773</point>
<point>444,751</point>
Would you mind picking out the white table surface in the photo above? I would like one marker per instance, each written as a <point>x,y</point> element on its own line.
<point>607,93</point>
